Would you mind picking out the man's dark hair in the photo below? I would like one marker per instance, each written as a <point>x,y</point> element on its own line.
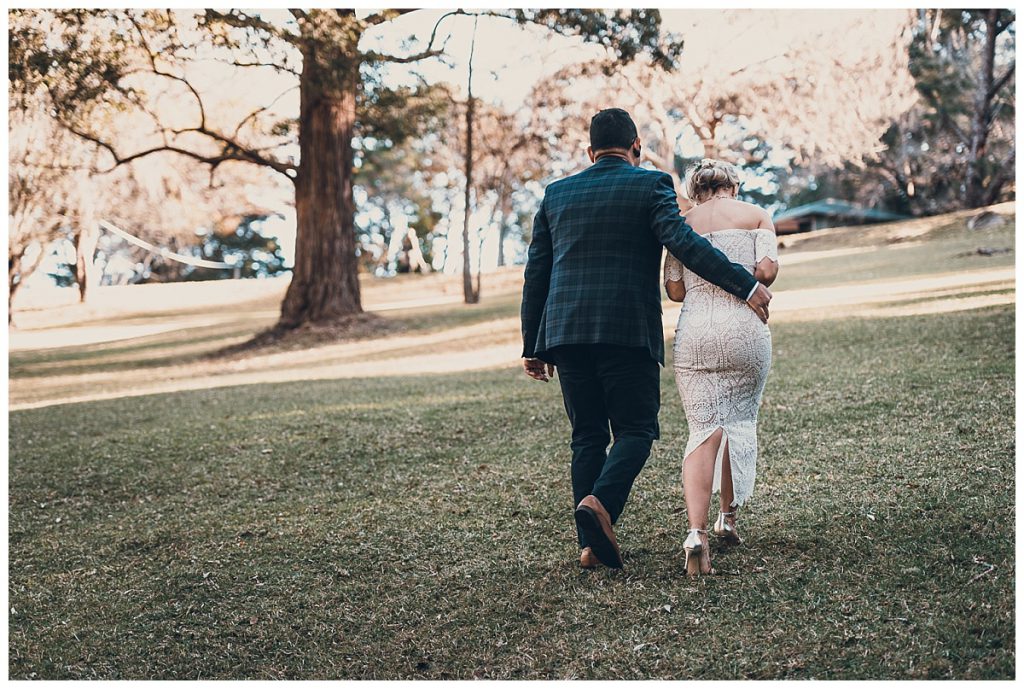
<point>612,128</point>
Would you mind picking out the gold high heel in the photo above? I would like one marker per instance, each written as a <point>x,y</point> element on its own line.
<point>726,531</point>
<point>694,548</point>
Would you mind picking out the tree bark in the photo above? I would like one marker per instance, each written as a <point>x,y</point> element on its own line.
<point>472,296</point>
<point>325,279</point>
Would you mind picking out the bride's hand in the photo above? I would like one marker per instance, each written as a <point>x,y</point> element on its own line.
<point>766,270</point>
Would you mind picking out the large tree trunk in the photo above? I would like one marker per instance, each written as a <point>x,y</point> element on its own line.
<point>325,280</point>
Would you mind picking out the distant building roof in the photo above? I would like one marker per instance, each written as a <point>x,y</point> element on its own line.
<point>836,208</point>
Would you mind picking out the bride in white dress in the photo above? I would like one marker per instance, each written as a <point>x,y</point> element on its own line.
<point>722,355</point>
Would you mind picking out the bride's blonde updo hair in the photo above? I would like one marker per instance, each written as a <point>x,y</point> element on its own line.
<point>709,177</point>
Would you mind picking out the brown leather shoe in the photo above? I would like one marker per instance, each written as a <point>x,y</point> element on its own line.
<point>587,559</point>
<point>596,525</point>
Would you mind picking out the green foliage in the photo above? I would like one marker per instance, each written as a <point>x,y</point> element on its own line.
<point>78,56</point>
<point>959,143</point>
<point>390,115</point>
<point>255,254</point>
<point>942,55</point>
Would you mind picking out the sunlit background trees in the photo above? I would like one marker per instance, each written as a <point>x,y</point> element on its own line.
<point>325,144</point>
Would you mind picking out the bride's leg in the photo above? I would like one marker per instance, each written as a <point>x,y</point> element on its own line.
<point>698,477</point>
<point>726,495</point>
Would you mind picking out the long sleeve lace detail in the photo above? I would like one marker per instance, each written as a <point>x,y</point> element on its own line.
<point>765,245</point>
<point>673,268</point>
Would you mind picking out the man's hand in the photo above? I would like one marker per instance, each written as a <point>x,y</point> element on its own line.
<point>538,370</point>
<point>759,302</point>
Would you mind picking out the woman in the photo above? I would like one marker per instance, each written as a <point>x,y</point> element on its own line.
<point>722,355</point>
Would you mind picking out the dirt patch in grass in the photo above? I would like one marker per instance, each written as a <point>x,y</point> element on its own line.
<point>360,326</point>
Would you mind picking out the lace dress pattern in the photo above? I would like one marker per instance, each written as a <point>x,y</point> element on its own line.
<point>722,355</point>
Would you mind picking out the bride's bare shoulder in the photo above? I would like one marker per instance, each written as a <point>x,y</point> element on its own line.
<point>764,219</point>
<point>755,216</point>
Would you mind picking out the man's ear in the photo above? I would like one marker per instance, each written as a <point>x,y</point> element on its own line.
<point>590,153</point>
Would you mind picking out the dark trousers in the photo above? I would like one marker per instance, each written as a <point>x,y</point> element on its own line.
<point>602,386</point>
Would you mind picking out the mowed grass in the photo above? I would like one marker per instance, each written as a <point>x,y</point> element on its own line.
<point>421,528</point>
<point>927,246</point>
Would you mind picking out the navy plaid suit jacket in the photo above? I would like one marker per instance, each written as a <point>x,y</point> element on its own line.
<point>592,273</point>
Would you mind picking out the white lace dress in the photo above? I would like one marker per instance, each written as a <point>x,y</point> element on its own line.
<point>721,357</point>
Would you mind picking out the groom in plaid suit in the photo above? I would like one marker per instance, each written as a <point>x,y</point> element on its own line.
<point>592,308</point>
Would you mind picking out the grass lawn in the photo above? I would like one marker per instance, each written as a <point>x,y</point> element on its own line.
<point>927,246</point>
<point>420,526</point>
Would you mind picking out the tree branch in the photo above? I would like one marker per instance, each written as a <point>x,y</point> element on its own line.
<point>935,102</point>
<point>280,68</point>
<point>237,20</point>
<point>264,108</point>
<point>230,151</point>
<point>428,51</point>
<point>157,71</point>
<point>1005,174</point>
<point>1001,81</point>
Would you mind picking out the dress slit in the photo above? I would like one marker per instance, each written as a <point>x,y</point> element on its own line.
<point>723,354</point>
<point>723,444</point>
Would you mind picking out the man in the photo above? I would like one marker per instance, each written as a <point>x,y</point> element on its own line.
<point>592,308</point>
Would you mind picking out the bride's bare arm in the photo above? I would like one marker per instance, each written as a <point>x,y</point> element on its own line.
<point>767,269</point>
